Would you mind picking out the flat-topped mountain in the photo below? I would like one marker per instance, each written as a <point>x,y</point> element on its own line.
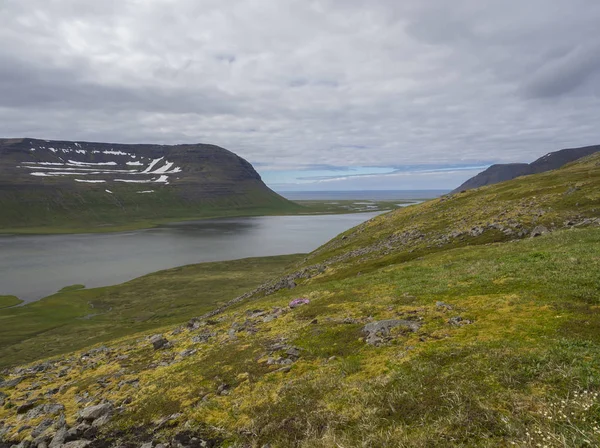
<point>507,171</point>
<point>51,183</point>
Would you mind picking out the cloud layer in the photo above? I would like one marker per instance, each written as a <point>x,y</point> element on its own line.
<point>293,85</point>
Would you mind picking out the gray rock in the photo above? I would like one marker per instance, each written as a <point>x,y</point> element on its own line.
<point>42,427</point>
<point>101,421</point>
<point>293,352</point>
<point>443,306</point>
<point>146,445</point>
<point>59,438</point>
<point>11,383</point>
<point>459,321</point>
<point>379,332</point>
<point>158,341</point>
<point>26,406</point>
<point>188,352</point>
<point>94,412</point>
<point>539,231</point>
<point>76,444</point>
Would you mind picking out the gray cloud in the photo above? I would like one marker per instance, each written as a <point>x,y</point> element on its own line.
<point>294,84</point>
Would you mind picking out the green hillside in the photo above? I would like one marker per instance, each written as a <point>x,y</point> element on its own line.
<point>471,320</point>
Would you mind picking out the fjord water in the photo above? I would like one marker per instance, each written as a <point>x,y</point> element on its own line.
<point>32,267</point>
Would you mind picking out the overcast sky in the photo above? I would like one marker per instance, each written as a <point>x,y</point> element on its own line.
<point>331,94</point>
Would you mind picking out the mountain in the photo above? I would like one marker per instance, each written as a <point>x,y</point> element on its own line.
<point>96,185</point>
<point>470,320</point>
<point>503,172</point>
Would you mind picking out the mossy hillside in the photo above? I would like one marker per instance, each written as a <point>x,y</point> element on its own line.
<point>496,213</point>
<point>514,374</point>
<point>92,209</point>
<point>75,318</point>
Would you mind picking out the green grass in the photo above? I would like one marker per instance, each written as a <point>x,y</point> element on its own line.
<point>8,301</point>
<point>75,317</point>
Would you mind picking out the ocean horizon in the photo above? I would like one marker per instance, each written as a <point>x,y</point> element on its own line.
<point>373,195</point>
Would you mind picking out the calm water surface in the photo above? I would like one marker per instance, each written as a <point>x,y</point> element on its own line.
<point>32,267</point>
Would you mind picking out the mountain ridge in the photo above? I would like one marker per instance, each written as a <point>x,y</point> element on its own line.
<point>507,171</point>
<point>92,184</point>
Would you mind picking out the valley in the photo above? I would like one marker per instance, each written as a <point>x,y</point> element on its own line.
<point>467,320</point>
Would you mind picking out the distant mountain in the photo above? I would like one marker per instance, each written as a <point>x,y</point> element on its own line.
<point>81,184</point>
<point>503,172</point>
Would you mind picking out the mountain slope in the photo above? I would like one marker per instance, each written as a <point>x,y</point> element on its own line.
<point>82,184</point>
<point>503,172</point>
<point>442,324</point>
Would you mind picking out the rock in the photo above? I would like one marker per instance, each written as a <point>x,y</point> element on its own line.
<point>11,383</point>
<point>100,422</point>
<point>459,321</point>
<point>76,444</point>
<point>26,406</point>
<point>443,306</point>
<point>2,398</point>
<point>269,318</point>
<point>59,438</point>
<point>539,231</point>
<point>159,341</point>
<point>42,427</point>
<point>188,352</point>
<point>223,389</point>
<point>298,302</point>
<point>44,409</point>
<point>378,332</point>
<point>146,445</point>
<point>93,412</point>
<point>293,352</point>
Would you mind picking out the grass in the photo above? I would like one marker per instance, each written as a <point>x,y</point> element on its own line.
<point>8,301</point>
<point>75,317</point>
<point>109,223</point>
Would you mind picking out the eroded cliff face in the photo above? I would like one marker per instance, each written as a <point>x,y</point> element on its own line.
<point>74,178</point>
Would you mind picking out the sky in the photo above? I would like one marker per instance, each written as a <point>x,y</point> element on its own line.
<point>317,95</point>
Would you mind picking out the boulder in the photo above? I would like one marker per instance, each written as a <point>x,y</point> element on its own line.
<point>76,444</point>
<point>59,438</point>
<point>539,231</point>
<point>159,341</point>
<point>93,412</point>
<point>378,332</point>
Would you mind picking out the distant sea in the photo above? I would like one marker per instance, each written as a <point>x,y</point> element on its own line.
<point>373,195</point>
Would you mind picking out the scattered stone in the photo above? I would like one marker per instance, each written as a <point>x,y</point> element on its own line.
<point>223,389</point>
<point>94,412</point>
<point>159,341</point>
<point>539,231</point>
<point>459,321</point>
<point>42,427</point>
<point>11,383</point>
<point>146,445</point>
<point>26,406</point>
<point>76,444</point>
<point>187,353</point>
<point>379,332</point>
<point>298,302</point>
<point>99,422</point>
<point>59,438</point>
<point>293,352</point>
<point>443,306</point>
